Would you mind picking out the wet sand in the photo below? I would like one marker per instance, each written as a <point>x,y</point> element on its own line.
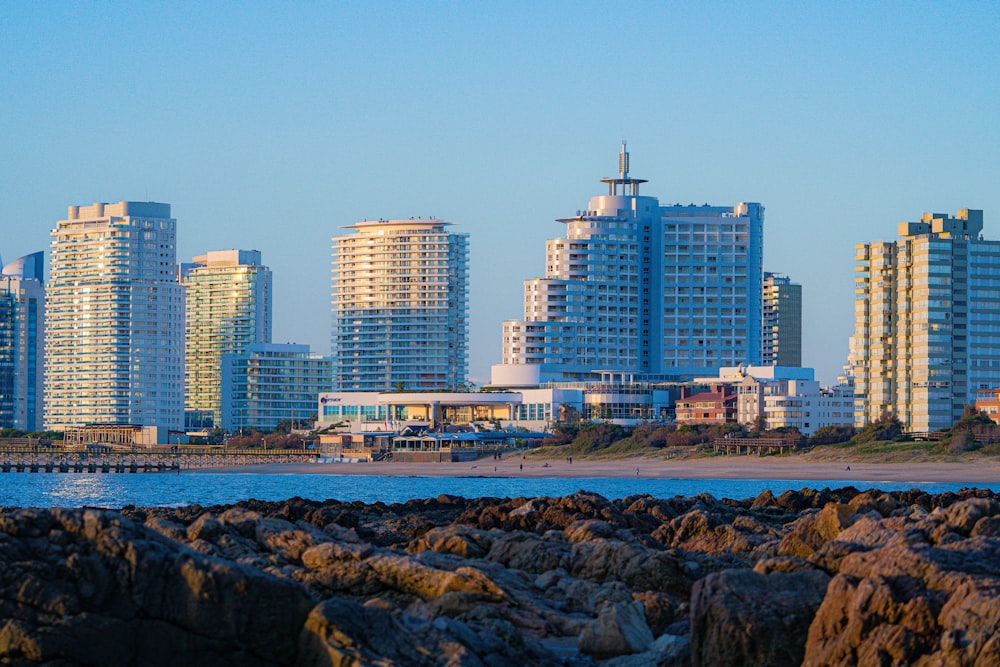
<point>741,467</point>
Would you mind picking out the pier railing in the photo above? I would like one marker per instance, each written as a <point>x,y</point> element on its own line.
<point>95,459</point>
<point>750,446</point>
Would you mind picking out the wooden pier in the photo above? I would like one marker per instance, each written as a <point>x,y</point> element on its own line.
<point>752,446</point>
<point>106,459</point>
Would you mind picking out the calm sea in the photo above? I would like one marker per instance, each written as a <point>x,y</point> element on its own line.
<point>169,489</point>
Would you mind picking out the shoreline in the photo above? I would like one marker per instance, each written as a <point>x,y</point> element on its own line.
<point>743,467</point>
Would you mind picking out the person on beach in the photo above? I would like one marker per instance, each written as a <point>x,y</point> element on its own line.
<point>636,472</point>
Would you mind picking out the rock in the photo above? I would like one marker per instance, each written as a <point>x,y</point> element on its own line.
<point>906,603</point>
<point>524,551</point>
<point>740,617</point>
<point>666,651</point>
<point>620,629</point>
<point>115,592</point>
<point>808,533</point>
<point>458,540</point>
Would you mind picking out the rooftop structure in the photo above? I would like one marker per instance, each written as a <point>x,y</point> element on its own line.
<point>634,286</point>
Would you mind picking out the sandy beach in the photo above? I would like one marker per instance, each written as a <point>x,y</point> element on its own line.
<point>743,467</point>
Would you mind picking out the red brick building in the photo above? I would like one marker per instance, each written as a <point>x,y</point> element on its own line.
<point>717,406</point>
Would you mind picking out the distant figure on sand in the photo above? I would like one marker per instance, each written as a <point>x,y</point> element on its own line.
<point>636,472</point>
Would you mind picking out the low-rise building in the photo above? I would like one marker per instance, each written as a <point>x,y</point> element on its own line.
<point>270,383</point>
<point>716,406</point>
<point>988,403</point>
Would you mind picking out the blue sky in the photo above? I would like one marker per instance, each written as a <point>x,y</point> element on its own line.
<point>271,125</point>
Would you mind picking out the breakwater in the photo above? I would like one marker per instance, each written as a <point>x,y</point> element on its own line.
<point>831,577</point>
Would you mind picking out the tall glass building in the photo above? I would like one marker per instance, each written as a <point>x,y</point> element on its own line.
<point>228,298</point>
<point>926,328</point>
<point>400,306</point>
<point>22,342</point>
<point>114,345</point>
<point>669,292</point>
<point>782,321</point>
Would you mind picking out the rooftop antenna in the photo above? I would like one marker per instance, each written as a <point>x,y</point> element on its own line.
<point>629,185</point>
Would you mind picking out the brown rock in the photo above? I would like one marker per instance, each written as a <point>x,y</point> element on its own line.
<point>619,629</point>
<point>742,618</point>
<point>911,605</point>
<point>808,533</point>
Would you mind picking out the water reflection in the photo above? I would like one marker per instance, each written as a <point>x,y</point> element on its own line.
<point>153,489</point>
<point>81,489</point>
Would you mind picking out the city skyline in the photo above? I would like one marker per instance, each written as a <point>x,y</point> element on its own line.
<point>271,130</point>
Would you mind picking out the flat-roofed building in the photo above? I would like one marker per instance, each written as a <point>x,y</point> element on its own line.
<point>400,306</point>
<point>22,343</point>
<point>269,383</point>
<point>228,299</point>
<point>114,344</point>
<point>925,322</point>
<point>782,329</point>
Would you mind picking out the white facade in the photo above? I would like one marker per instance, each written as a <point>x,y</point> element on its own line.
<point>665,291</point>
<point>787,397</point>
<point>22,343</point>
<point>400,306</point>
<point>115,318</point>
<point>534,409</point>
<point>228,299</point>
<point>926,329</point>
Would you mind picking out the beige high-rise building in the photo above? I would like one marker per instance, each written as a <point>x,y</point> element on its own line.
<point>228,297</point>
<point>926,324</point>
<point>400,306</point>
<point>782,321</point>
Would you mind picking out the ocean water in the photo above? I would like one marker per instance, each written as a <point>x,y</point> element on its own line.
<point>113,490</point>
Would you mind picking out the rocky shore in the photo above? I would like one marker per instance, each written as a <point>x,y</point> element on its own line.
<point>832,577</point>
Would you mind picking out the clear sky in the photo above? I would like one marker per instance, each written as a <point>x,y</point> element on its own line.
<point>270,125</point>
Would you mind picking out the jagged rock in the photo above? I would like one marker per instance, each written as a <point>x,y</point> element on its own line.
<point>528,552</point>
<point>912,605</point>
<point>115,592</point>
<point>519,581</point>
<point>808,533</point>
<point>740,617</point>
<point>619,629</point>
<point>462,541</point>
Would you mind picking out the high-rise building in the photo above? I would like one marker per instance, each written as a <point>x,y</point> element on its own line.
<point>925,322</point>
<point>269,383</point>
<point>667,291</point>
<point>228,298</point>
<point>782,321</point>
<point>400,306</point>
<point>22,343</point>
<point>114,345</point>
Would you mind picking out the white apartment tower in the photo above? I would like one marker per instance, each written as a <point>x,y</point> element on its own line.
<point>400,306</point>
<point>782,321</point>
<point>228,299</point>
<point>115,318</point>
<point>925,322</point>
<point>662,291</point>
